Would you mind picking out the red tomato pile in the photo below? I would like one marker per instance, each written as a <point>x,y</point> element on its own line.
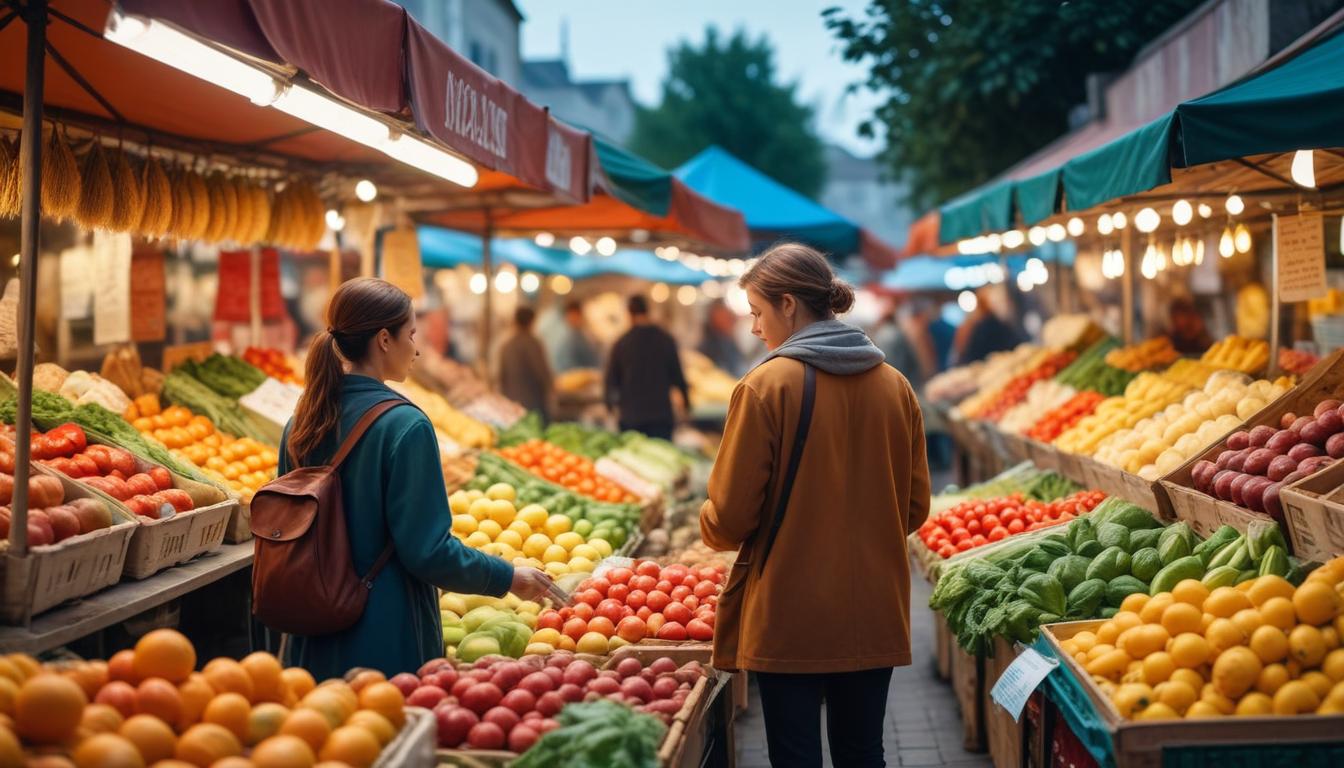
<point>1016,389</point>
<point>273,363</point>
<point>974,523</point>
<point>1054,423</point>
<point>675,602</point>
<point>111,470</point>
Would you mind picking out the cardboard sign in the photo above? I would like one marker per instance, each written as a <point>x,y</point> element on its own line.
<point>1020,679</point>
<point>76,282</point>
<point>401,261</point>
<point>1301,257</point>
<point>111,288</point>
<point>147,295</point>
<point>233,300</point>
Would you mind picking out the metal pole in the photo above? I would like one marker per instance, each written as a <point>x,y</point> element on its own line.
<point>1275,305</point>
<point>30,160</point>
<point>1127,288</point>
<point>254,295</point>
<point>488,313</point>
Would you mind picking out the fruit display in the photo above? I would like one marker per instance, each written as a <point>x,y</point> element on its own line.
<point>1091,371</point>
<point>989,376</point>
<point>1016,389</point>
<point>1025,478</point>
<point>1164,441</point>
<point>973,523</point>
<point>494,409</point>
<point>1297,362</point>
<point>620,519</point>
<point>148,706</point>
<point>529,536</point>
<point>709,385</point>
<point>1147,394</point>
<point>1044,396</point>
<point>496,704</point>
<point>52,518</point>
<point>447,420</point>
<point>1056,420</point>
<point>1263,647</point>
<point>182,387</point>
<point>626,605</point>
<point>1153,353</point>
<point>571,471</point>
<point>477,625</point>
<point>228,376</point>
<point>274,363</point>
<point>1236,353</point>
<point>1255,464</point>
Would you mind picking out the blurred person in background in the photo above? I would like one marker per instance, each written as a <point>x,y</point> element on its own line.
<point>573,346</point>
<point>1185,327</point>
<point>983,332</point>
<point>719,342</point>
<point>524,374</point>
<point>643,369</point>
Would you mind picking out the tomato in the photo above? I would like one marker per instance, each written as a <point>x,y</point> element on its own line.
<point>963,545</point>
<point>974,526</point>
<point>611,610</point>
<point>705,589</point>
<point>619,575</point>
<point>959,534</point>
<point>658,601</point>
<point>690,580</point>
<point>680,593</point>
<point>947,550</point>
<point>1064,518</point>
<point>645,583</point>
<point>550,620</point>
<point>636,599</point>
<point>648,568</point>
<point>619,592</point>
<point>584,611</point>
<point>600,584</point>
<point>978,541</point>
<point>1016,526</point>
<point>590,596</point>
<point>990,521</point>
<point>999,533</point>
<point>663,585</point>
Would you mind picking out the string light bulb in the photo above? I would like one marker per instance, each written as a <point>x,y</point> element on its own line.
<point>1304,168</point>
<point>1234,205</point>
<point>1014,238</point>
<point>1182,213</point>
<point>1036,235</point>
<point>1242,239</point>
<point>366,191</point>
<point>1205,210</point>
<point>1226,247</point>
<point>1075,227</point>
<point>544,239</point>
<point>1104,225</point>
<point>1056,233</point>
<point>1119,220</point>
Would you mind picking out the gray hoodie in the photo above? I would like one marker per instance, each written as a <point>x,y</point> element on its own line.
<point>831,346</point>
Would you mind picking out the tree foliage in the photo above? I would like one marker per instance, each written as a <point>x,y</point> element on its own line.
<point>725,93</point>
<point>973,86</point>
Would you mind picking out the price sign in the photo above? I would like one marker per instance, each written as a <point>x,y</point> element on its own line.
<point>147,294</point>
<point>1018,681</point>
<point>111,288</point>
<point>1301,257</point>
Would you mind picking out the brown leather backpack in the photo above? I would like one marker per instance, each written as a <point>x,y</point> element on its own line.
<point>303,579</point>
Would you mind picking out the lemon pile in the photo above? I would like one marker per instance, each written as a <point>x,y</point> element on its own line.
<point>529,536</point>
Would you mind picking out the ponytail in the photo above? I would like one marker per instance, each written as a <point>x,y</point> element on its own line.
<point>319,409</point>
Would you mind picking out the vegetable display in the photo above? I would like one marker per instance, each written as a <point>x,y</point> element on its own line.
<point>226,375</point>
<point>974,523</point>
<point>1138,357</point>
<point>51,517</point>
<point>476,625</point>
<point>1016,389</point>
<point>184,389</point>
<point>618,520</point>
<point>598,734</point>
<point>273,363</point>
<point>1091,371</point>
<point>570,470</point>
<point>1053,423</point>
<point>447,420</point>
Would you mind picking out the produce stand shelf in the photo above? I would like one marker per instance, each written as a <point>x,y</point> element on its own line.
<point>118,603</point>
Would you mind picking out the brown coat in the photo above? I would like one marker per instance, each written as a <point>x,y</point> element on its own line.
<point>834,595</point>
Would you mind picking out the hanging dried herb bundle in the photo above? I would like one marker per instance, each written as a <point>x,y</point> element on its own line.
<point>261,213</point>
<point>315,220</point>
<point>242,228</point>
<point>128,198</point>
<point>158,209</point>
<point>95,191</point>
<point>60,180</point>
<point>214,231</point>
<point>200,205</point>
<point>183,209</point>
<point>9,179</point>
<point>277,233</point>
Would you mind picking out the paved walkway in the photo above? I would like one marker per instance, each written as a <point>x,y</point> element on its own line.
<point>923,722</point>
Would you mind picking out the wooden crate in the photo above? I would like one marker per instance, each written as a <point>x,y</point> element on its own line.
<point>78,566</point>
<point>968,677</point>
<point>414,746</point>
<point>942,647</point>
<point>1071,466</point>
<point>1003,734</point>
<point>1043,455</point>
<point>1314,510</point>
<point>239,528</point>
<point>1121,484</point>
<point>1140,744</point>
<point>1016,448</point>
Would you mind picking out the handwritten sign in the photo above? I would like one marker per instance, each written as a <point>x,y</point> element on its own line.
<point>1301,257</point>
<point>76,282</point>
<point>1020,679</point>
<point>147,294</point>
<point>111,288</point>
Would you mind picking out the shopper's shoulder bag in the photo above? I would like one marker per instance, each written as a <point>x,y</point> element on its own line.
<point>303,577</point>
<point>754,553</point>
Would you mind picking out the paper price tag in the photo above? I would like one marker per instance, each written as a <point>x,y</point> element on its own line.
<point>1018,681</point>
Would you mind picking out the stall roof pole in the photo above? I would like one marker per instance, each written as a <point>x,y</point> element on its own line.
<point>1127,287</point>
<point>1275,305</point>
<point>488,313</point>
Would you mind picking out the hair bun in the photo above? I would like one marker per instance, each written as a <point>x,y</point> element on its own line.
<point>840,296</point>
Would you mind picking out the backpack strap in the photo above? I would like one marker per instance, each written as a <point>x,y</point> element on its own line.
<point>348,445</point>
<point>795,456</point>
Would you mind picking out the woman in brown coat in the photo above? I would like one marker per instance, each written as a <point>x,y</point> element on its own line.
<point>818,604</point>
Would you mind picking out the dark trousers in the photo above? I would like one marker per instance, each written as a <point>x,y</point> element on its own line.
<point>856,707</point>
<point>662,429</point>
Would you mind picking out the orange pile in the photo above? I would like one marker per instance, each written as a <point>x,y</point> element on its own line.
<point>576,473</point>
<point>148,706</point>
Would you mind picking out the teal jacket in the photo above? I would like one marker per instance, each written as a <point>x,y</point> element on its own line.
<point>393,486</point>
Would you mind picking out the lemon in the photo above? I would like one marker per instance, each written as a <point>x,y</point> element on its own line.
<point>557,524</point>
<point>502,512</point>
<point>555,554</point>
<point>602,546</point>
<point>569,540</point>
<point>581,565</point>
<point>523,529</point>
<point>511,538</point>
<point>586,551</point>
<point>511,601</point>
<point>538,649</point>
<point>534,515</point>
<point>459,503</point>
<point>477,539</point>
<point>480,509</point>
<point>475,495</point>
<point>527,606</point>
<point>533,562</point>
<point>556,570</point>
<point>536,544</point>
<point>615,642</point>
<point>548,636</point>
<point>463,524</point>
<point>490,528</point>
<point>583,527</point>
<point>592,642</point>
<point>520,562</point>
<point>454,603</point>
<point>501,492</point>
<point>493,548</point>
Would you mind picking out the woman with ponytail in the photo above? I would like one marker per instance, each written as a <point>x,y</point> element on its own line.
<point>820,476</point>
<point>393,491</point>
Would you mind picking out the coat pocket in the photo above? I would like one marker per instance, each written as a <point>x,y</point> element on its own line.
<point>728,615</point>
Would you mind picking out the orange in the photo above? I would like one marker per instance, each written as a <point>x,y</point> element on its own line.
<point>375,723</point>
<point>308,724</point>
<point>28,666</point>
<point>164,653</point>
<point>264,722</point>
<point>1317,602</point>
<point>10,670</point>
<point>1176,695</point>
<point>231,762</point>
<point>1270,644</point>
<point>1333,665</point>
<point>1255,705</point>
<point>1224,602</point>
<point>1306,646</point>
<point>228,676</point>
<point>8,690</point>
<point>352,745</point>
<point>122,667</point>
<point>1222,634</point>
<point>205,743</point>
<point>1319,683</point>
<point>91,676</point>
<point>50,761</point>
<point>344,691</point>
<point>1248,620</point>
<point>196,693</point>
<point>1134,603</point>
<point>230,710</point>
<point>101,718</point>
<point>1190,591</point>
<point>385,699</point>
<point>1152,611</point>
<point>107,750</point>
<point>1271,679</point>
<point>1189,650</point>
<point>1157,668</point>
<point>300,682</point>
<point>1202,709</point>
<point>1235,671</point>
<point>1295,698</point>
<point>266,675</point>
<point>283,752</point>
<point>1279,612</point>
<point>1142,640</point>
<point>1180,618</point>
<point>1265,587</point>
<point>155,740</point>
<point>120,695</point>
<point>11,752</point>
<point>365,677</point>
<point>159,698</point>
<point>48,709</point>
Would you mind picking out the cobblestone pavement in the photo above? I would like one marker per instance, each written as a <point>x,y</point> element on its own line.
<point>923,722</point>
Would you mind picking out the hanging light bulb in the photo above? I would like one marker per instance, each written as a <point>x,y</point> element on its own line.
<point>1147,220</point>
<point>993,243</point>
<point>1014,238</point>
<point>1187,253</point>
<point>606,246</point>
<point>1024,282</point>
<point>1149,266</point>
<point>1304,168</point>
<point>1161,259</point>
<point>1205,211</point>
<point>506,281</point>
<point>1242,239</point>
<point>1075,227</point>
<point>1182,213</point>
<point>335,221</point>
<point>580,246</point>
<point>967,301</point>
<point>561,284</point>
<point>1225,245</point>
<point>1056,232</point>
<point>1199,252</point>
<point>478,283</point>
<point>660,292</point>
<point>1036,235</point>
<point>366,191</point>
<point>1234,205</point>
<point>1104,225</point>
<point>1119,220</point>
<point>530,282</point>
<point>544,239</point>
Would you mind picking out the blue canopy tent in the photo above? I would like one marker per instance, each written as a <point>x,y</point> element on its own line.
<point>445,248</point>
<point>776,212</point>
<point>929,273</point>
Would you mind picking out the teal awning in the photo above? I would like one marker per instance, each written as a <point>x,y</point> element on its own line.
<point>1298,104</point>
<point>634,180</point>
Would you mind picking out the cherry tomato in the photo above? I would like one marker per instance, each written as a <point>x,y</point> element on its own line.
<point>973,526</point>
<point>1016,526</point>
<point>999,533</point>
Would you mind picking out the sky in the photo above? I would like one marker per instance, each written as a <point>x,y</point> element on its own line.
<point>630,38</point>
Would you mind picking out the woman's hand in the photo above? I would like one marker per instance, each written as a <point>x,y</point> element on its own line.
<point>532,584</point>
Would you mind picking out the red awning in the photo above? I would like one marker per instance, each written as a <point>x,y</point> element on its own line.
<point>878,253</point>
